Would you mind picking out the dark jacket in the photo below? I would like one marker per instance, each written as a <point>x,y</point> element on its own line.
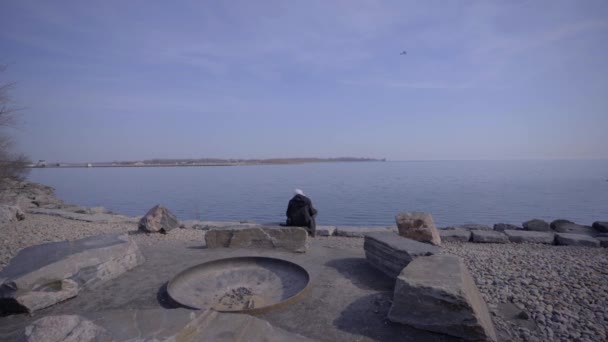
<point>301,213</point>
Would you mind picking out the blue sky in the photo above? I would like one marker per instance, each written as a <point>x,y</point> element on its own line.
<point>129,80</point>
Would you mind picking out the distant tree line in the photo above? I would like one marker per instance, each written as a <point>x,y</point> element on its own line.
<point>168,161</point>
<point>13,166</point>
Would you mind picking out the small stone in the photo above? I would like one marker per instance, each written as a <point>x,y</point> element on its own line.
<point>523,315</point>
<point>600,226</point>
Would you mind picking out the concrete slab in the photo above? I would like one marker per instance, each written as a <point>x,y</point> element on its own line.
<point>65,328</point>
<point>348,299</point>
<point>186,325</point>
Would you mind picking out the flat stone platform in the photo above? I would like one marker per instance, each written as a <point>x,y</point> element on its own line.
<point>348,300</point>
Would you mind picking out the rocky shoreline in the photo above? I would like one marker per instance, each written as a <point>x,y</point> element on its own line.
<point>535,291</point>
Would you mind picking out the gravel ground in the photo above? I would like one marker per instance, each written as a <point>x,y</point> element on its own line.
<point>38,229</point>
<point>563,290</point>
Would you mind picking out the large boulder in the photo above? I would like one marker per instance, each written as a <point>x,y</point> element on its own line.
<point>600,226</point>
<point>488,236</point>
<point>65,328</point>
<point>460,235</point>
<point>524,236</point>
<point>582,240</point>
<point>158,220</point>
<point>437,293</point>
<point>10,213</point>
<point>292,239</point>
<point>501,227</point>
<point>537,225</point>
<point>40,276</point>
<point>418,226</point>
<point>603,241</point>
<point>565,226</point>
<point>390,253</point>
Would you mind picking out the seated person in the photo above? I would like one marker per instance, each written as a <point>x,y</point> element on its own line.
<point>301,213</point>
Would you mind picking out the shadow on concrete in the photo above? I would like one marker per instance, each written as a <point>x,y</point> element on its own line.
<point>367,316</point>
<point>197,247</point>
<point>163,298</point>
<point>362,274</point>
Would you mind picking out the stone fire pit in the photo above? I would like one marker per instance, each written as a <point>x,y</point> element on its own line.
<point>241,284</point>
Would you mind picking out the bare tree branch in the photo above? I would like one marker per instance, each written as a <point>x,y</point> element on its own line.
<point>12,166</point>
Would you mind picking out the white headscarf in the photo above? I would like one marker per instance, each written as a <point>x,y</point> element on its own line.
<point>298,192</point>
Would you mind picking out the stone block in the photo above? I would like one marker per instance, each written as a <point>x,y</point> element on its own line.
<point>40,276</point>
<point>501,227</point>
<point>536,225</point>
<point>565,226</point>
<point>209,225</point>
<point>292,239</point>
<point>525,236</point>
<point>437,293</point>
<point>565,239</point>
<point>390,253</point>
<point>471,226</point>
<point>460,235</point>
<point>354,231</point>
<point>488,236</point>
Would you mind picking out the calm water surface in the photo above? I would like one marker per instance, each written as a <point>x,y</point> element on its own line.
<point>454,192</point>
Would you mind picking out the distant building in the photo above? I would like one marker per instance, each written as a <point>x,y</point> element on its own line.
<point>89,165</point>
<point>41,163</point>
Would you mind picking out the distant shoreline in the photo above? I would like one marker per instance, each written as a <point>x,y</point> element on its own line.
<point>190,162</point>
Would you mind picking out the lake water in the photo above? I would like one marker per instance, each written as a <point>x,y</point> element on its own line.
<point>366,193</point>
